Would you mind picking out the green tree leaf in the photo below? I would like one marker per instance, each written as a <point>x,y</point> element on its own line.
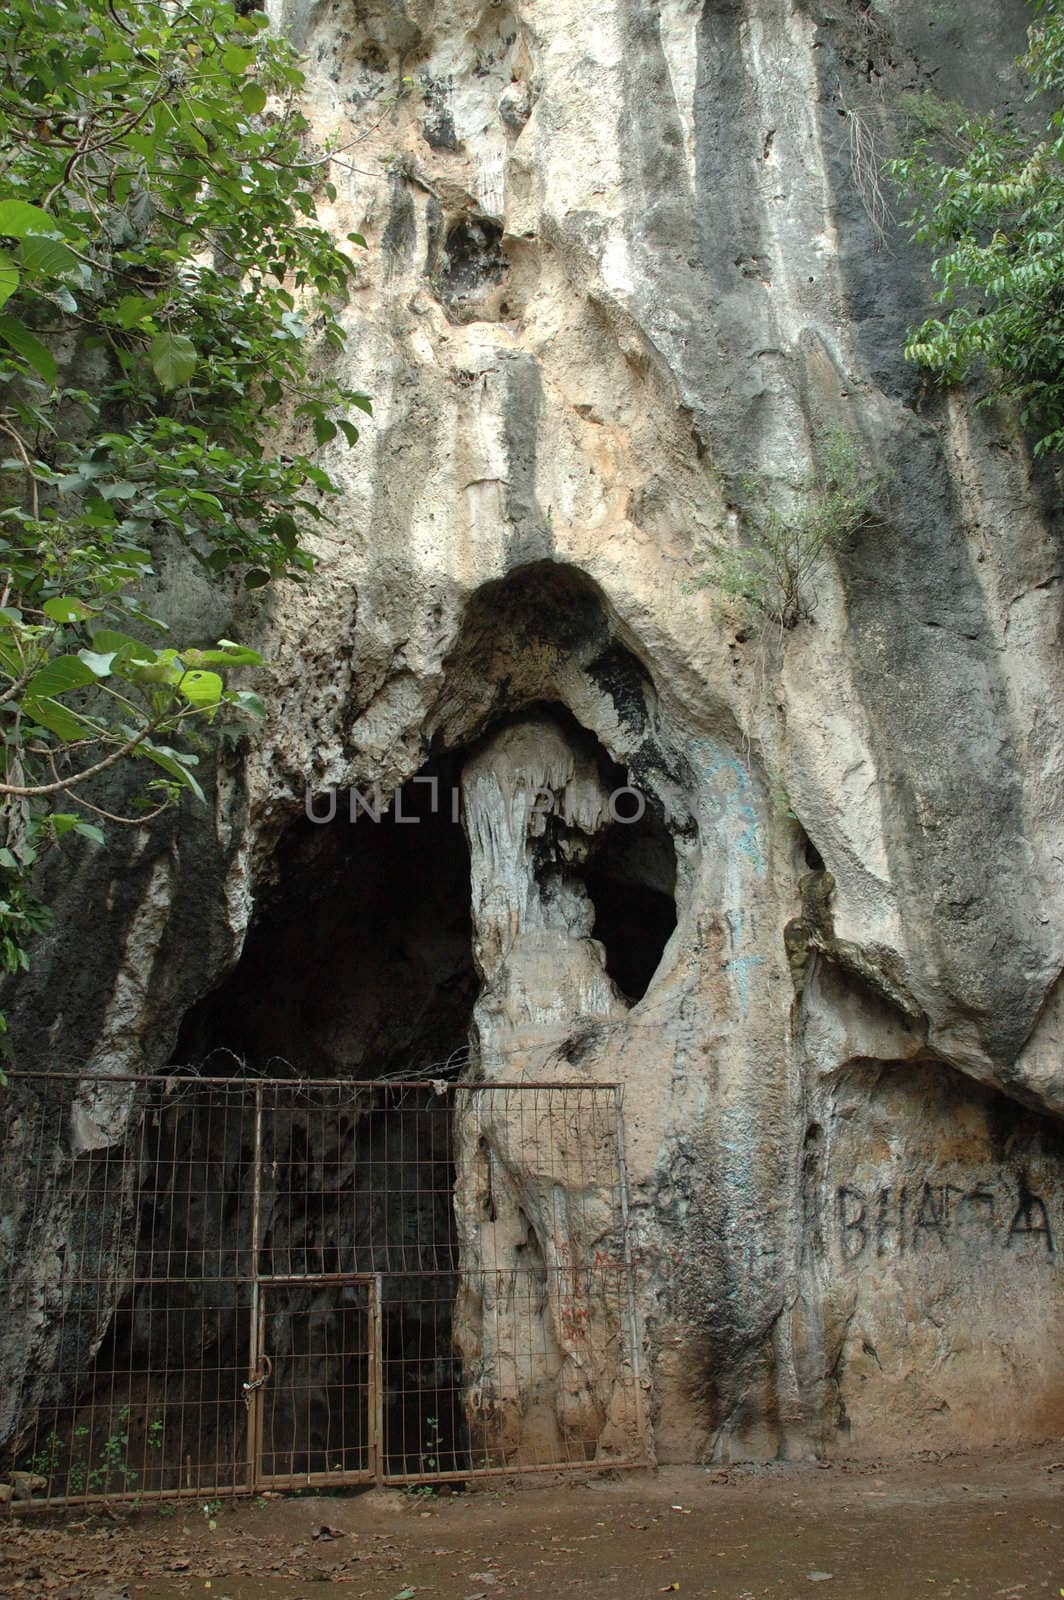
<point>131,309</point>
<point>253,98</point>
<point>201,688</point>
<point>66,609</point>
<point>173,359</point>
<point>19,219</point>
<point>30,348</point>
<point>227,654</point>
<point>58,719</point>
<point>177,764</point>
<point>121,644</point>
<point>99,664</point>
<point>61,822</point>
<point>46,256</point>
<point>9,276</point>
<point>60,675</point>
<point>237,60</point>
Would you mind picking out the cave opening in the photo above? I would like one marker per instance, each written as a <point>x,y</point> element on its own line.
<point>357,913</point>
<point>358,965</point>
<point>626,869</point>
<point>631,879</point>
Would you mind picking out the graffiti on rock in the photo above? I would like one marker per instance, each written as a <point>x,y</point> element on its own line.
<point>907,1218</point>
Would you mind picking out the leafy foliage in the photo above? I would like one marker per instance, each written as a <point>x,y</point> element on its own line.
<point>990,201</point>
<point>161,274</point>
<point>773,572</point>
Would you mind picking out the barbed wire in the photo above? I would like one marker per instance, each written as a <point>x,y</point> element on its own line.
<point>446,1071</point>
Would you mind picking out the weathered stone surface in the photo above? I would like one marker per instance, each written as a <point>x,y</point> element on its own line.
<point>618,261</point>
<point>935,1215</point>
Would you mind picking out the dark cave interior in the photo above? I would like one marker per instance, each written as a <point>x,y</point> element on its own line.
<point>631,878</point>
<point>358,962</point>
<point>628,867</point>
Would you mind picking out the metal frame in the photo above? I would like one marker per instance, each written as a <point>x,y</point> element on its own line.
<point>180,1206</point>
<point>259,1391</point>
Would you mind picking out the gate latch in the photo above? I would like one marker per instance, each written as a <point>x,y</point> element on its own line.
<point>265,1371</point>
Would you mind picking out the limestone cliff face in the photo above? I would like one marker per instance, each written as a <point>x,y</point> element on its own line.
<point>620,257</point>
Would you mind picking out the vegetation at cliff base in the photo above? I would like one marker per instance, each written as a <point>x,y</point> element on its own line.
<point>989,198</point>
<point>165,288</point>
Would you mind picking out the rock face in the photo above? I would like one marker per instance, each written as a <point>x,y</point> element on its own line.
<point>624,257</point>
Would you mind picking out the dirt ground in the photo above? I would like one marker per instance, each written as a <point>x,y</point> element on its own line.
<point>975,1526</point>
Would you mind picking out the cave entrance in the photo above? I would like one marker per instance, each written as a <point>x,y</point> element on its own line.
<point>307,1302</point>
<point>630,877</point>
<point>358,965</point>
<point>358,962</point>
<point>293,1263</point>
<point>626,867</point>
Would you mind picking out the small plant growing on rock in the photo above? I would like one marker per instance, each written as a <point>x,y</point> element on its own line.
<point>773,572</point>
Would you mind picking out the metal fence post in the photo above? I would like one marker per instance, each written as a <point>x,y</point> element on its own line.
<point>253,1390</point>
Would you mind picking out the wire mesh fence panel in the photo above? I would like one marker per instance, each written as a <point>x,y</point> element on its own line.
<point>424,1427</point>
<point>126,1308</point>
<point>218,1284</point>
<point>166,1419</point>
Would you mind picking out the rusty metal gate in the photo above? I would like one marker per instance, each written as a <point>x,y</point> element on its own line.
<point>220,1285</point>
